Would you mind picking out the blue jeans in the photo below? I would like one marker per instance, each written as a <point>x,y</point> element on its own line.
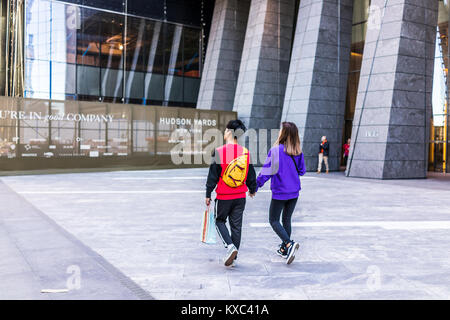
<point>287,208</point>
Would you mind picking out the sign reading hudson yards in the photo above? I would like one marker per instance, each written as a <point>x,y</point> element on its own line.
<point>188,121</point>
<point>77,117</point>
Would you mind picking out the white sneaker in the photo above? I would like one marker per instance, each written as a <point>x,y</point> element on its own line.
<point>231,254</point>
<point>291,251</point>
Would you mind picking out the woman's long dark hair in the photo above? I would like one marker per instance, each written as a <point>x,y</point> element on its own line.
<point>289,138</point>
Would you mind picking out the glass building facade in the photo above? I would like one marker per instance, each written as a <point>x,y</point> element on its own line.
<point>105,53</point>
<point>359,28</point>
<point>439,143</point>
<point>54,130</point>
<point>106,82</point>
<point>135,51</point>
<point>3,8</point>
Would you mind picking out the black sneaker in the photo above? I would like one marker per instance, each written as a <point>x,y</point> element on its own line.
<point>291,251</point>
<point>282,252</point>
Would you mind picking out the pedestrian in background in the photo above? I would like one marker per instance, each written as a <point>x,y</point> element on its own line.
<point>346,152</point>
<point>284,165</point>
<point>324,151</point>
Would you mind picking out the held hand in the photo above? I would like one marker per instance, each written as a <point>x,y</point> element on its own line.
<point>252,195</point>
<point>208,201</point>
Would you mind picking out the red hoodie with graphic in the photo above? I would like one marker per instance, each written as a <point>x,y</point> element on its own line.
<point>222,157</point>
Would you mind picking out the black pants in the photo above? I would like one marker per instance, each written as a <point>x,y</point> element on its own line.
<point>233,210</point>
<point>276,208</point>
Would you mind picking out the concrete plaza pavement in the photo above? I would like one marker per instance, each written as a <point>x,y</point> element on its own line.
<point>135,234</point>
<point>39,260</point>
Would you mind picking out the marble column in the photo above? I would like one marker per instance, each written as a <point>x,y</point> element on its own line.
<point>393,108</point>
<point>317,82</point>
<point>265,63</point>
<point>223,55</point>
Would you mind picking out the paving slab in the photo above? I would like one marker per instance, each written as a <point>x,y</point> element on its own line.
<point>36,254</point>
<point>360,238</point>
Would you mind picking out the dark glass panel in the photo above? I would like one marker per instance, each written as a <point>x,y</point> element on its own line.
<point>88,38</point>
<point>114,5</point>
<point>138,42</point>
<point>191,61</point>
<point>79,53</point>
<point>111,40</point>
<point>3,5</point>
<point>185,12</point>
<point>147,8</point>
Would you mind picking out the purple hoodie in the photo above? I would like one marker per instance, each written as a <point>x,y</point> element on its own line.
<point>279,166</point>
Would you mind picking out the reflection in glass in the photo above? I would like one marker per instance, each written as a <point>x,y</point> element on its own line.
<point>3,14</point>
<point>82,53</point>
<point>87,38</point>
<point>173,90</point>
<point>64,134</point>
<point>34,128</point>
<point>359,28</point>
<point>73,129</point>
<point>118,142</point>
<point>8,128</point>
<point>191,61</point>
<point>439,124</point>
<point>93,133</point>
<point>142,52</point>
<point>144,130</point>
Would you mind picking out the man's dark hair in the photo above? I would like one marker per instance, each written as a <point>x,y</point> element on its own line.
<point>237,126</point>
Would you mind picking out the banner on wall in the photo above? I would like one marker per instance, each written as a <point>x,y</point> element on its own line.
<point>34,128</point>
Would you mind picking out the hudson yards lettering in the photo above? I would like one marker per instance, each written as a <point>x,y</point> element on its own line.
<point>188,122</point>
<point>77,117</point>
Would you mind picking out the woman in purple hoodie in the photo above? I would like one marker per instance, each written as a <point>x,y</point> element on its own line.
<point>284,165</point>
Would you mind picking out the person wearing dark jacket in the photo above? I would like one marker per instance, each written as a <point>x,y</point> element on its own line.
<point>324,151</point>
<point>231,174</point>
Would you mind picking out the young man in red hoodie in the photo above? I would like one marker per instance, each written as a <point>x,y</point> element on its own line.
<point>232,175</point>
